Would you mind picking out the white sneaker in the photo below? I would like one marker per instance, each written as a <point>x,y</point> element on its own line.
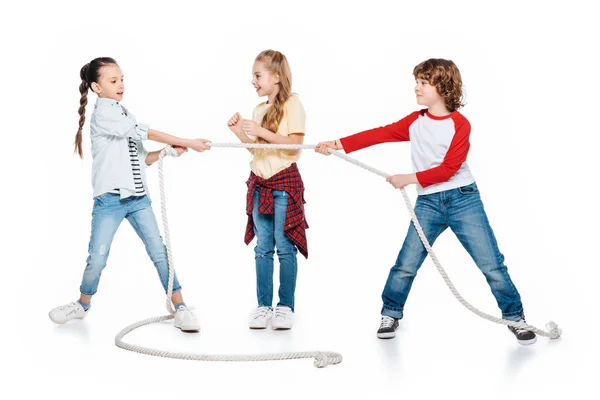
<point>283,318</point>
<point>62,314</point>
<point>186,320</point>
<point>260,318</point>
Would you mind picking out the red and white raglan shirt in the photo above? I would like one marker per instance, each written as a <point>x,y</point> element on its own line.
<point>439,147</point>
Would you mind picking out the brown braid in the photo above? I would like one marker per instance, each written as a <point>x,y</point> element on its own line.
<point>89,73</point>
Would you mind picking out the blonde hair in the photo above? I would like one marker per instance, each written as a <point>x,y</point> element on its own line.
<point>276,63</point>
<point>445,76</point>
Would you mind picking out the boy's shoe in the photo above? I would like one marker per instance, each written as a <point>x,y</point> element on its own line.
<point>388,327</point>
<point>260,317</point>
<point>523,336</point>
<point>62,314</point>
<point>283,318</point>
<point>186,320</point>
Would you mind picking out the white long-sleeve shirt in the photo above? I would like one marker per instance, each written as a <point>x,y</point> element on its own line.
<point>111,127</point>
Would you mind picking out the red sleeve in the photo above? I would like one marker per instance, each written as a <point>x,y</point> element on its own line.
<point>454,159</point>
<point>396,132</point>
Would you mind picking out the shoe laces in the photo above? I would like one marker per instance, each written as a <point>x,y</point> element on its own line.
<point>187,311</point>
<point>70,308</point>
<point>260,312</point>
<point>386,322</point>
<point>283,313</point>
<point>521,330</point>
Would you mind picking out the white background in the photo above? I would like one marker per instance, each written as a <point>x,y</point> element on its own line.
<point>531,76</point>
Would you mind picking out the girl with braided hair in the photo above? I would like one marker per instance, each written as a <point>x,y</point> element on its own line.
<point>119,185</point>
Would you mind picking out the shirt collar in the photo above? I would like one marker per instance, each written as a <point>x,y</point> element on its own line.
<point>104,101</point>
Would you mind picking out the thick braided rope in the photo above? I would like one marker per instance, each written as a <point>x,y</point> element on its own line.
<point>322,358</point>
<point>163,211</point>
<point>553,332</point>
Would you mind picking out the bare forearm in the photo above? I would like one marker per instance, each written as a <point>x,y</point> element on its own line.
<point>402,180</point>
<point>278,139</point>
<point>165,138</point>
<point>412,178</point>
<point>152,157</point>
<point>244,138</point>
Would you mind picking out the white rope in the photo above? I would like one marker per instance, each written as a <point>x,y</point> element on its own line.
<point>553,329</point>
<point>322,358</point>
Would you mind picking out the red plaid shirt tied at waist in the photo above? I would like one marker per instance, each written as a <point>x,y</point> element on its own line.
<point>290,181</point>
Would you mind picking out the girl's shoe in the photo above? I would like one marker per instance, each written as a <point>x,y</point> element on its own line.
<point>283,318</point>
<point>186,320</point>
<point>62,314</point>
<point>260,318</point>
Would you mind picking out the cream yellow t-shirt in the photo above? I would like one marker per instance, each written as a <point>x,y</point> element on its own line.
<point>268,162</point>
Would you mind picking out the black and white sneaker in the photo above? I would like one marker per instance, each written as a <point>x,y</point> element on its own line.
<point>523,335</point>
<point>388,327</point>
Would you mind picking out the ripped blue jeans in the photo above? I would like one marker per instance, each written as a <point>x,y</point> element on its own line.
<point>269,231</point>
<point>109,210</point>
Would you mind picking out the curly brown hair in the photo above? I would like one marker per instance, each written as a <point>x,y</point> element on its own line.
<point>445,76</point>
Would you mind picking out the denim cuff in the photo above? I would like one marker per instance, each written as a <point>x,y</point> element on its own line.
<point>391,313</point>
<point>86,294</point>
<point>175,289</point>
<point>514,316</point>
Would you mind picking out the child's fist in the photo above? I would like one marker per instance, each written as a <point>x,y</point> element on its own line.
<point>235,123</point>
<point>324,147</point>
<point>180,150</point>
<point>251,127</point>
<point>199,144</point>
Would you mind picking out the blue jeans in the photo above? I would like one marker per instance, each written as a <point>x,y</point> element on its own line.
<point>109,210</point>
<point>269,231</point>
<point>460,209</point>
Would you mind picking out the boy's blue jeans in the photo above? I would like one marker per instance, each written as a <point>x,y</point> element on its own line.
<point>109,210</point>
<point>269,231</point>
<point>460,209</point>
